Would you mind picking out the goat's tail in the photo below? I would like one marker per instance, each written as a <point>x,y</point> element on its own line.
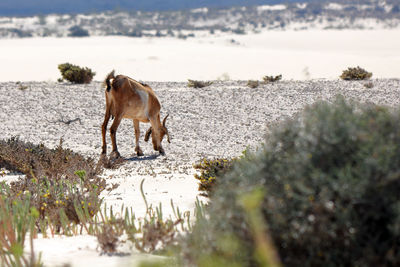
<point>107,80</point>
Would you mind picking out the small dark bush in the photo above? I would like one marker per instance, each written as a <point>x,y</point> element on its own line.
<point>198,84</point>
<point>22,86</point>
<point>271,79</point>
<point>239,31</point>
<point>330,183</point>
<point>182,36</point>
<point>77,31</point>
<point>209,171</point>
<point>135,33</point>
<point>76,74</point>
<point>355,74</point>
<point>253,84</point>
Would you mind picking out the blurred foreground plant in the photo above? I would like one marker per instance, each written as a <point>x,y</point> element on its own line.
<point>330,179</point>
<point>17,220</point>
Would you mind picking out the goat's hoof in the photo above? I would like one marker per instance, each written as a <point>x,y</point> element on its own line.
<point>139,153</point>
<point>115,155</point>
<point>162,152</point>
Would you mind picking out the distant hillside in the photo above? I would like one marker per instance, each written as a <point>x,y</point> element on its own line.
<point>189,23</point>
<point>42,7</point>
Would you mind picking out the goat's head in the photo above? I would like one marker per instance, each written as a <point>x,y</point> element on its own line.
<point>162,132</point>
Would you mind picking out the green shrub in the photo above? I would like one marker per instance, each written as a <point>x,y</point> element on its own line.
<point>355,74</point>
<point>209,171</point>
<point>271,79</point>
<point>76,74</point>
<point>330,179</point>
<point>198,84</point>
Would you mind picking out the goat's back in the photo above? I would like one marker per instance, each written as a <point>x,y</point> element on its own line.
<point>137,100</point>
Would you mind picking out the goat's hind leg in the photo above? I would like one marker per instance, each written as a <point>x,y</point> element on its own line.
<point>113,133</point>
<point>103,131</point>
<point>138,150</point>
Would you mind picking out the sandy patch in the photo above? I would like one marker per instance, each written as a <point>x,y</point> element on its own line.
<point>295,54</point>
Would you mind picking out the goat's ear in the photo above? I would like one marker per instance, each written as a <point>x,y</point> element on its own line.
<point>147,135</point>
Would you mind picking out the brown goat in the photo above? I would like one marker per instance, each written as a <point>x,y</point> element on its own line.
<point>127,98</point>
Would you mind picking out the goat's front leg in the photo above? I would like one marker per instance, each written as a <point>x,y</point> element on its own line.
<point>113,133</point>
<point>155,136</point>
<point>139,151</point>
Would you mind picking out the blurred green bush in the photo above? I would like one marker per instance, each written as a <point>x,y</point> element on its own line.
<point>330,183</point>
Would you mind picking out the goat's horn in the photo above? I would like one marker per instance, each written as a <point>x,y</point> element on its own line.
<point>169,141</point>
<point>147,135</point>
<point>165,119</point>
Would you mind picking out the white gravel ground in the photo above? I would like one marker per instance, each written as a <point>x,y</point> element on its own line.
<point>217,121</point>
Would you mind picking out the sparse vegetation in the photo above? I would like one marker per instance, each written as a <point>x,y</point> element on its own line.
<point>57,180</point>
<point>21,86</point>
<point>109,235</point>
<point>76,74</point>
<point>209,171</point>
<point>327,183</point>
<point>272,79</point>
<point>357,73</point>
<point>369,85</point>
<point>54,199</point>
<point>253,83</point>
<point>198,84</point>
<point>148,234</point>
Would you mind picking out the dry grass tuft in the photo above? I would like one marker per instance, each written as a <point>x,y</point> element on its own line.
<point>198,84</point>
<point>253,83</point>
<point>271,79</point>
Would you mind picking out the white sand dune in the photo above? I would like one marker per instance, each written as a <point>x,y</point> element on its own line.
<point>217,121</point>
<point>295,54</point>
